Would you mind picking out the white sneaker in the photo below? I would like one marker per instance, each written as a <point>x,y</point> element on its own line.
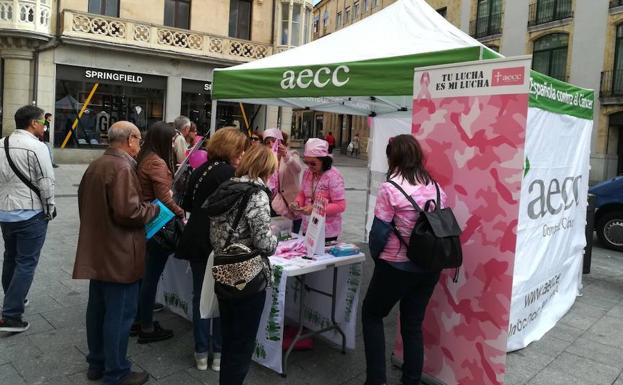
<point>216,362</point>
<point>201,360</point>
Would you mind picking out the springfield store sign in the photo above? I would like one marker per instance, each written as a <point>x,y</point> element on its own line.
<point>116,76</point>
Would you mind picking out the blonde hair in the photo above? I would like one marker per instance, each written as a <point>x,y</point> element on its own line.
<point>226,143</point>
<point>258,162</point>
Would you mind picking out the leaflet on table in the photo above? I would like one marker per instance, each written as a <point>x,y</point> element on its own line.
<point>163,217</point>
<point>315,235</point>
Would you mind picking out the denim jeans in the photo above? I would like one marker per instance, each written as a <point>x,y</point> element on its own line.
<point>22,246</point>
<point>201,326</point>
<point>155,262</point>
<point>240,320</point>
<point>413,290</point>
<point>110,313</point>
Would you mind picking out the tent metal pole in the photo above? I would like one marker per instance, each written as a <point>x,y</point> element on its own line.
<point>213,117</point>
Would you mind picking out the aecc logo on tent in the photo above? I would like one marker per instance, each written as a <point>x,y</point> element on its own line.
<point>507,77</point>
<point>323,76</point>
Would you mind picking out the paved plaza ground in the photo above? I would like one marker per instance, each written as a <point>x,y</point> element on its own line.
<point>584,348</point>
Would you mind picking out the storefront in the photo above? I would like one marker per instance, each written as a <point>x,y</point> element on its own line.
<point>106,97</point>
<point>197,105</point>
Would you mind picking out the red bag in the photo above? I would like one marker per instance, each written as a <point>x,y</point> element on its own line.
<point>289,333</point>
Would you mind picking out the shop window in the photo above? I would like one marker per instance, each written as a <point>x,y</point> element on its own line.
<point>549,55</point>
<point>488,17</point>
<point>118,96</point>
<point>177,13</point>
<point>104,7</point>
<point>240,19</point>
<point>617,83</point>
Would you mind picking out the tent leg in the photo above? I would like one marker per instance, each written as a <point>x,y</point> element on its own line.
<point>213,118</point>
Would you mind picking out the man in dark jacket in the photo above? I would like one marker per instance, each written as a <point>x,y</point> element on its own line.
<point>111,253</point>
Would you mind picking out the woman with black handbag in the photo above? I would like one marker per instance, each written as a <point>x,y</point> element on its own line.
<point>155,172</point>
<point>240,232</point>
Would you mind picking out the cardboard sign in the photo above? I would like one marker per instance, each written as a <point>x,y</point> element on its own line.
<point>315,235</point>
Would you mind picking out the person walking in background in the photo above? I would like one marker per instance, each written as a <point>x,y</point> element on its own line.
<point>395,277</point>
<point>225,149</point>
<point>331,140</point>
<point>111,253</point>
<point>321,179</point>
<point>155,173</point>
<point>355,146</point>
<point>26,207</point>
<point>182,126</point>
<point>46,137</point>
<point>286,182</point>
<point>240,318</point>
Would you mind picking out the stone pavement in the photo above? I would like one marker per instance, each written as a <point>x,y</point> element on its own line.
<point>584,348</point>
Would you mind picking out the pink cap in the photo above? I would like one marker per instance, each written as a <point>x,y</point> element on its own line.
<point>273,133</point>
<point>316,148</point>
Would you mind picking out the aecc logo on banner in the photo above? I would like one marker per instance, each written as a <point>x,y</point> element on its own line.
<point>508,77</point>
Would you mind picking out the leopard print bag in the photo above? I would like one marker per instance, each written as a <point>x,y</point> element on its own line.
<point>239,272</point>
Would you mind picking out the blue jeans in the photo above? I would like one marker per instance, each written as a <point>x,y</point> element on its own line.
<point>155,262</point>
<point>110,313</point>
<point>387,287</point>
<point>22,246</point>
<point>240,321</point>
<point>201,326</point>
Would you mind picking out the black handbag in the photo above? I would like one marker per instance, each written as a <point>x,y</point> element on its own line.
<point>240,272</point>
<point>168,238</point>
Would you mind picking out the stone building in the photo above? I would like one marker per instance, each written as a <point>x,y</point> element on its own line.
<point>144,61</point>
<point>579,41</point>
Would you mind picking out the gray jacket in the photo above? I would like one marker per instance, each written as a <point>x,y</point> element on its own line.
<point>32,158</point>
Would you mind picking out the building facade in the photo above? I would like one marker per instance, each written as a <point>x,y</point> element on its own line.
<point>93,62</point>
<point>573,40</point>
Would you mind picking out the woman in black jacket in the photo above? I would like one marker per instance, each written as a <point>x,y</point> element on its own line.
<point>225,150</point>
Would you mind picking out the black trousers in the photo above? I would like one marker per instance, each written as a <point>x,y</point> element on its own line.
<point>240,320</point>
<point>388,286</point>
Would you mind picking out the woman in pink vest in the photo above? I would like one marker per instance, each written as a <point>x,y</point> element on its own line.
<point>321,180</point>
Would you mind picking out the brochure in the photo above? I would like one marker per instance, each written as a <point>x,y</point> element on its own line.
<point>159,220</point>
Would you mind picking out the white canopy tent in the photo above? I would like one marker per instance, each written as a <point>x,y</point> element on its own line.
<point>364,69</point>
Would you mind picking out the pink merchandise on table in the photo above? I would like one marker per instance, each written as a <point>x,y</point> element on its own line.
<point>291,249</point>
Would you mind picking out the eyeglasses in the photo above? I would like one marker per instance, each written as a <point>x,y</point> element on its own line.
<point>140,139</point>
<point>254,139</point>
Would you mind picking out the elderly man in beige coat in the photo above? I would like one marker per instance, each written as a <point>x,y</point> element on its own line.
<point>111,253</point>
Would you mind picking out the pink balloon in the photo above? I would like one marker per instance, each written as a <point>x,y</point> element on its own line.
<point>198,158</point>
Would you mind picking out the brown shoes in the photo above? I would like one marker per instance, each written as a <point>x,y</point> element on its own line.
<point>135,378</point>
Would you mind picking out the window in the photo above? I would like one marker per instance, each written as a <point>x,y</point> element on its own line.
<point>375,3</point>
<point>443,11</point>
<point>550,10</point>
<point>347,15</point>
<point>338,20</point>
<point>240,19</point>
<point>549,55</point>
<point>316,23</point>
<point>365,5</point>
<point>355,11</point>
<point>325,19</point>
<point>306,29</point>
<point>177,13</point>
<point>617,82</point>
<point>296,24</point>
<point>285,22</point>
<point>488,17</point>
<point>104,7</point>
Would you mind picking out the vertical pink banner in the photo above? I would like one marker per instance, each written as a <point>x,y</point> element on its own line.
<point>472,129</point>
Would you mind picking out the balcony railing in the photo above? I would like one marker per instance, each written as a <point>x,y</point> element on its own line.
<point>26,15</point>
<point>611,84</point>
<point>543,12</point>
<point>486,26</point>
<point>616,3</point>
<point>160,38</point>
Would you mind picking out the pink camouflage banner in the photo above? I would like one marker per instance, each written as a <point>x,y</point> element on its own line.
<point>471,123</point>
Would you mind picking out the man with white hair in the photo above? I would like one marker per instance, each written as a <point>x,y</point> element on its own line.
<point>111,253</point>
<point>180,145</point>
